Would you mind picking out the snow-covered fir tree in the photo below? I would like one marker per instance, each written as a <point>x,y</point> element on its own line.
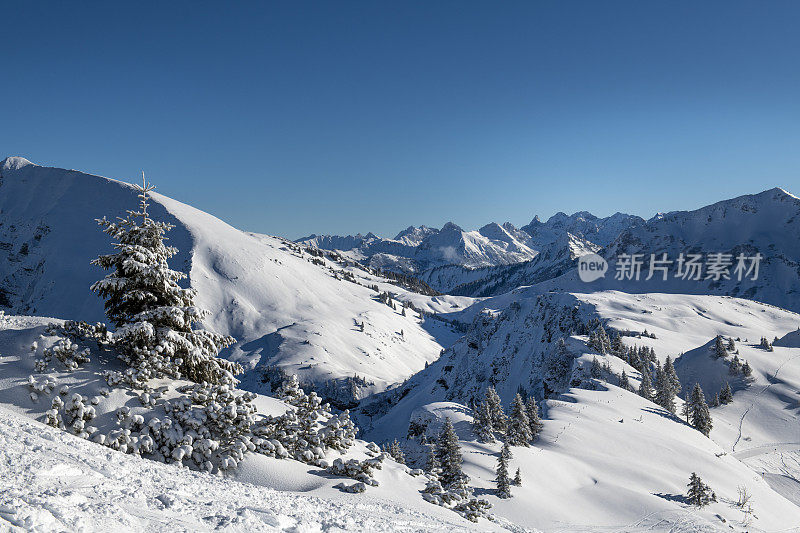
<point>502,480</point>
<point>482,422</point>
<point>517,479</point>
<point>699,493</point>
<point>448,457</point>
<point>624,382</point>
<point>719,347</point>
<point>731,345</point>
<point>599,340</point>
<point>747,370</point>
<point>519,427</point>
<point>496,413</point>
<point>153,315</point>
<point>667,386</point>
<point>396,452</point>
<point>714,400</point>
<point>646,387</point>
<point>698,411</point>
<point>595,370</point>
<point>735,366</point>
<point>726,394</point>
<point>532,410</point>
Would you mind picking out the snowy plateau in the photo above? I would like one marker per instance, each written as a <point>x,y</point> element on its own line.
<point>440,380</point>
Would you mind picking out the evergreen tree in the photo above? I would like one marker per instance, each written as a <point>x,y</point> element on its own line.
<point>153,315</point>
<point>669,370</point>
<point>747,370</point>
<point>482,422</point>
<point>595,371</point>
<point>432,461</point>
<point>646,387</point>
<point>532,410</point>
<point>599,340</point>
<point>667,386</point>
<point>558,365</point>
<point>726,394</point>
<point>517,479</point>
<point>448,457</point>
<point>496,413</point>
<point>624,383</point>
<point>699,493</point>
<point>698,410</point>
<point>502,479</point>
<point>719,347</point>
<point>765,344</point>
<point>519,427</point>
<point>617,348</point>
<point>715,400</point>
<point>397,452</point>
<point>734,367</point>
<point>731,345</point>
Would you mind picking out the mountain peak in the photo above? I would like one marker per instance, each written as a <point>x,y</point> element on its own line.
<point>14,163</point>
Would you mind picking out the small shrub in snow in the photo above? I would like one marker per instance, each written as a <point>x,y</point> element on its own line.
<point>355,488</point>
<point>395,452</point>
<point>359,470</point>
<point>77,413</point>
<point>765,345</point>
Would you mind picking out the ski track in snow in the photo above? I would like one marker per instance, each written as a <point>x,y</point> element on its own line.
<point>762,391</point>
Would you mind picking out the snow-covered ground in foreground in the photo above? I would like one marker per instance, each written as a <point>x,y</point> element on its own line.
<point>53,481</point>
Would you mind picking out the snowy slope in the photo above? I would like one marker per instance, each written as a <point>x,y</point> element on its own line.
<point>627,457</point>
<point>283,309</point>
<point>53,481</point>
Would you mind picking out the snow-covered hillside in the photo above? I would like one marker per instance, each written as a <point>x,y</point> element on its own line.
<point>55,481</point>
<point>285,307</point>
<point>509,346</point>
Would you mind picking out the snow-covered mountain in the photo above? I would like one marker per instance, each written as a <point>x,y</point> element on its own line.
<point>450,257</point>
<point>285,307</point>
<point>766,223</point>
<point>584,225</point>
<point>368,341</point>
<point>419,249</point>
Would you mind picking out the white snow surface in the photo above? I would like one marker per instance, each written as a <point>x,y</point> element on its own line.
<point>282,309</point>
<point>53,481</point>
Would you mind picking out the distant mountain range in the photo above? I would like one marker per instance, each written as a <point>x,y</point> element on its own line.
<point>449,257</point>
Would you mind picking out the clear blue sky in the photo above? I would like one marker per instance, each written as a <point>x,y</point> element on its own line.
<point>337,117</point>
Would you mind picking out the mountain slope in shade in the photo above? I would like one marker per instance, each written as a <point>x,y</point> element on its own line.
<point>283,309</point>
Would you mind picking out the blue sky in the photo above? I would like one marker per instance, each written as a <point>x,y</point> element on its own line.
<point>337,117</point>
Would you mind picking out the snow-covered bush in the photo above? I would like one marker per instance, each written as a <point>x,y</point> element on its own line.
<point>359,470</point>
<point>77,413</point>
